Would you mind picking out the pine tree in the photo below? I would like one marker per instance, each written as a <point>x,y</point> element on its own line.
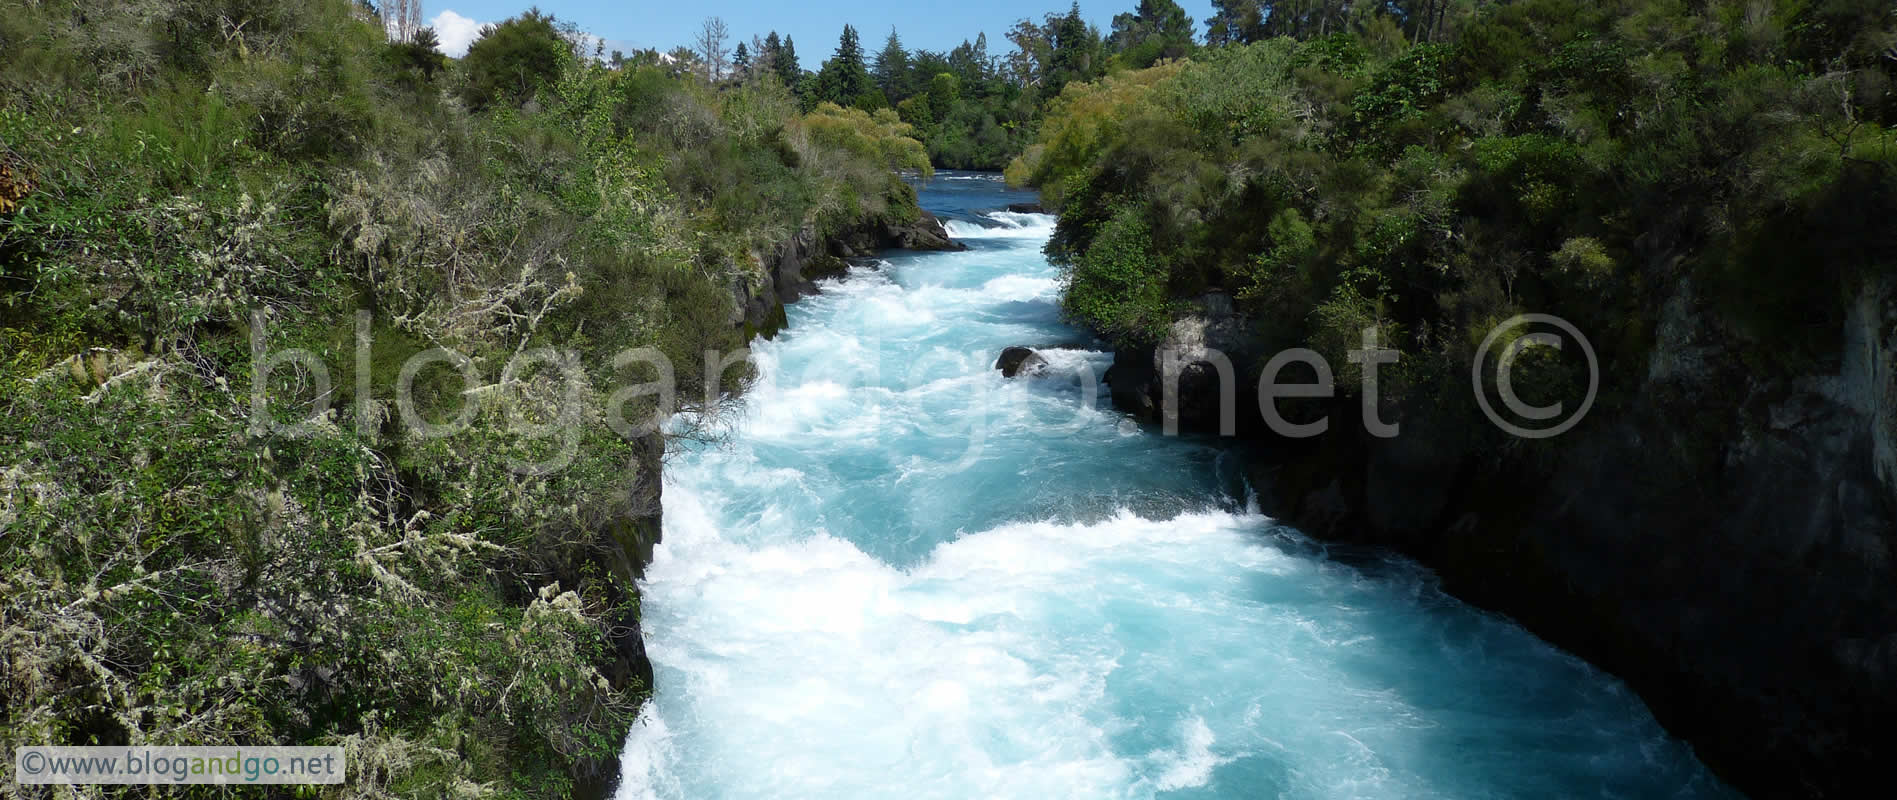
<point>844,80</point>
<point>1074,52</point>
<point>892,69</point>
<point>741,61</point>
<point>785,64</point>
<point>1236,22</point>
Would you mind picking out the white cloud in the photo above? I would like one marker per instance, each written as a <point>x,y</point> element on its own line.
<point>456,32</point>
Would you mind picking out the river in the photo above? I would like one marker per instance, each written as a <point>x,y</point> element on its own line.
<point>904,576</point>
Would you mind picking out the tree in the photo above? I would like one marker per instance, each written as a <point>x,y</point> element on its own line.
<point>512,60</point>
<point>784,63</point>
<point>1074,52</point>
<point>683,60</point>
<point>421,54</point>
<point>844,80</point>
<point>969,61</point>
<point>1235,22</point>
<point>711,47</point>
<point>403,18</point>
<point>741,62</point>
<point>891,69</point>
<point>1157,29</point>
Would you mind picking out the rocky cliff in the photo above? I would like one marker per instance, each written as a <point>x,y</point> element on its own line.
<point>1719,538</point>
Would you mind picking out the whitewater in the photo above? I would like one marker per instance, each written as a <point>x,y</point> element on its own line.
<point>904,576</point>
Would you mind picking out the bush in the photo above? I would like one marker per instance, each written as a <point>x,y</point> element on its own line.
<point>1545,155</point>
<point>168,574</point>
<point>512,60</point>
<point>1118,285</point>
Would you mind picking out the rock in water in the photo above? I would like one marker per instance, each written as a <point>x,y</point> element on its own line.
<point>1020,361</point>
<point>925,233</point>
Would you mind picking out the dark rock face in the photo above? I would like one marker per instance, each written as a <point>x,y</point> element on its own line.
<point>1026,208</point>
<point>926,233</point>
<point>1204,362</point>
<point>1725,543</point>
<point>623,547</point>
<point>1020,361</point>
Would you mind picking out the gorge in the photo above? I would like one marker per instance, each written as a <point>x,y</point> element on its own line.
<point>904,575</point>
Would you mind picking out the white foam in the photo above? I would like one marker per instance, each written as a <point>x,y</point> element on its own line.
<point>1192,764</point>
<point>1021,287</point>
<point>849,677</point>
<point>1008,225</point>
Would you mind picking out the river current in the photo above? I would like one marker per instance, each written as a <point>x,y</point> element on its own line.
<point>904,576</point>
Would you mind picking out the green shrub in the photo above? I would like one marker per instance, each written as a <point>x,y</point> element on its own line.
<point>1118,285</point>
<point>512,60</point>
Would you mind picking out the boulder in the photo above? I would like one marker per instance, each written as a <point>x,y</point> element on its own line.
<point>1020,361</point>
<point>925,233</point>
<point>1195,354</point>
<point>1026,208</point>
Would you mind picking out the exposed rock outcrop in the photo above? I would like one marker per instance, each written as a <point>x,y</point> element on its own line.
<point>1723,541</point>
<point>925,232</point>
<point>1020,361</point>
<point>1202,363</point>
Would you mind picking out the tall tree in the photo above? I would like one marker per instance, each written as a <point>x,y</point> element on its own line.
<point>711,47</point>
<point>1157,29</point>
<point>844,80</point>
<point>741,61</point>
<point>1075,51</point>
<point>969,61</point>
<point>1235,22</point>
<point>784,62</point>
<point>403,18</point>
<point>891,68</point>
<point>1027,65</point>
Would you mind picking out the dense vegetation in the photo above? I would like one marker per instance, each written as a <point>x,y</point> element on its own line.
<point>186,185</point>
<point>1433,169</point>
<point>972,109</point>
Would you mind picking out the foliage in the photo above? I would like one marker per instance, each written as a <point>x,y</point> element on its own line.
<point>1540,156</point>
<point>176,565</point>
<point>844,80</point>
<point>512,60</point>
<point>879,138</point>
<point>1158,29</point>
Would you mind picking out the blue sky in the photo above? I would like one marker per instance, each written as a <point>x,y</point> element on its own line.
<point>813,23</point>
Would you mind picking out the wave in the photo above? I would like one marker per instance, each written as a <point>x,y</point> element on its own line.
<point>1005,225</point>
<point>984,671</point>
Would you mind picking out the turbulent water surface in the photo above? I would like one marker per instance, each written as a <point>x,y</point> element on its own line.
<point>905,576</point>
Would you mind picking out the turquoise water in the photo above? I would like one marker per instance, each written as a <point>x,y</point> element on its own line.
<point>906,577</point>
